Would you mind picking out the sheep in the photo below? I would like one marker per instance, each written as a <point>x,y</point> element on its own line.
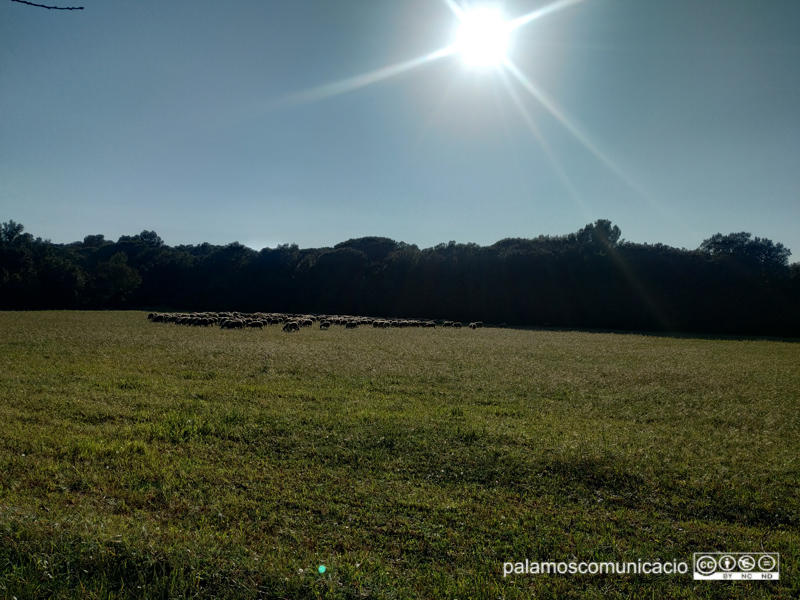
<point>293,322</point>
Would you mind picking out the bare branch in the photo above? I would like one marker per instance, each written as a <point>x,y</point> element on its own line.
<point>49,7</point>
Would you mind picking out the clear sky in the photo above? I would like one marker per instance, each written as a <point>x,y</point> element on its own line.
<point>210,121</point>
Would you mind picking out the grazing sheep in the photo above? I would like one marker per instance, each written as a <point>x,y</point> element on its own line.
<point>294,321</point>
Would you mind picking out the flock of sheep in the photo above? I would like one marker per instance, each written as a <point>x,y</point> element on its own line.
<point>292,322</point>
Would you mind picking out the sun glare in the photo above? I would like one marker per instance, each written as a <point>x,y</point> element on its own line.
<point>482,37</point>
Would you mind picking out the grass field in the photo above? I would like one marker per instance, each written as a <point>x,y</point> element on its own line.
<point>144,460</point>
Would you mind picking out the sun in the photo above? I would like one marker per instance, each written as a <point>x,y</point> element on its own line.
<point>482,37</point>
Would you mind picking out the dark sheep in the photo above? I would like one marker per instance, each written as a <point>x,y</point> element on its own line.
<point>325,325</point>
<point>291,326</point>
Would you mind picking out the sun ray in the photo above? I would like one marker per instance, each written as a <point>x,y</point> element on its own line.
<point>646,297</point>
<point>587,143</point>
<point>558,114</point>
<point>584,139</point>
<point>649,302</point>
<point>545,146</point>
<point>544,11</point>
<point>358,81</point>
<point>455,8</point>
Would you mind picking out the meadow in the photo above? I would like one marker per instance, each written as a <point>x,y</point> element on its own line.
<point>150,460</point>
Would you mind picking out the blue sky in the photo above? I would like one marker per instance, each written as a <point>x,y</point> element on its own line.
<point>209,122</point>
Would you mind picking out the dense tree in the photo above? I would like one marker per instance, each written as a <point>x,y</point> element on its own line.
<point>747,251</point>
<point>11,233</point>
<point>733,283</point>
<point>375,248</point>
<point>95,241</point>
<point>115,280</point>
<point>601,235</point>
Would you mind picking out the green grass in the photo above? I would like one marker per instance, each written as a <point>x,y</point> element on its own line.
<point>142,460</point>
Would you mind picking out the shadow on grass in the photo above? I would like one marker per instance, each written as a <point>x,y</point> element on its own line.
<point>444,455</point>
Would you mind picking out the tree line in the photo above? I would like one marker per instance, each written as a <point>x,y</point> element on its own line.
<point>732,284</point>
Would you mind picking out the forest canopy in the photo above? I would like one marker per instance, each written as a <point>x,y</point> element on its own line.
<point>732,284</point>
